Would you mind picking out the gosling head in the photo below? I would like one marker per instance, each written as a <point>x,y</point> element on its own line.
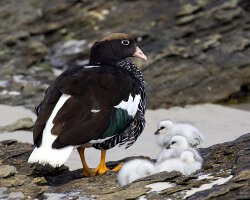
<point>164,127</point>
<point>178,142</point>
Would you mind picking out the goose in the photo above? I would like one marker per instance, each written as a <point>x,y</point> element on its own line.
<point>100,105</point>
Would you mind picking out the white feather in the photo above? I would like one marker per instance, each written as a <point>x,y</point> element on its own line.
<point>131,105</point>
<point>95,110</point>
<point>45,154</point>
<point>179,156</point>
<point>174,150</point>
<point>135,169</point>
<point>185,164</point>
<point>99,140</point>
<point>191,164</point>
<point>168,154</point>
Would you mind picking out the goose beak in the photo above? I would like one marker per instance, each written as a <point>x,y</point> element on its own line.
<point>138,53</point>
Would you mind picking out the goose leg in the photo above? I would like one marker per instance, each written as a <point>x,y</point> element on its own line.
<point>86,170</point>
<point>101,169</point>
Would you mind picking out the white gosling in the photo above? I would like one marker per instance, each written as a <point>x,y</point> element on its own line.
<point>167,128</point>
<point>163,132</point>
<point>135,169</point>
<point>178,156</point>
<point>185,164</point>
<point>177,145</point>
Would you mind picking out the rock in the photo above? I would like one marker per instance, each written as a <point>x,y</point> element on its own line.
<point>8,68</point>
<point>186,19</point>
<point>6,170</point>
<point>225,175</point>
<point>188,9</point>
<point>22,35</point>
<point>38,48</point>
<point>12,182</point>
<point>23,118</point>
<point>2,191</point>
<point>9,40</point>
<point>63,54</point>
<point>21,124</point>
<point>16,195</point>
<point>198,50</point>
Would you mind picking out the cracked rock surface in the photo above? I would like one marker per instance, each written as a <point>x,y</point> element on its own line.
<point>225,175</point>
<point>198,51</point>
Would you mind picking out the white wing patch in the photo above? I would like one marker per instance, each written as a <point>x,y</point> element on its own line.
<point>45,153</point>
<point>95,110</point>
<point>99,140</point>
<point>131,105</point>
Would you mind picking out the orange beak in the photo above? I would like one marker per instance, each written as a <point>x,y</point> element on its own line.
<point>138,53</point>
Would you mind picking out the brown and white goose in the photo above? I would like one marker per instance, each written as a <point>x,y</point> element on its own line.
<point>101,104</point>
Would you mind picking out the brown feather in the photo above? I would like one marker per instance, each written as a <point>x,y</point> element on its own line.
<point>117,36</point>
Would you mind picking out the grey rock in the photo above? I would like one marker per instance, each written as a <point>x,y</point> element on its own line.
<point>198,50</point>
<point>2,192</point>
<point>229,161</point>
<point>63,54</point>
<point>16,195</point>
<point>21,124</point>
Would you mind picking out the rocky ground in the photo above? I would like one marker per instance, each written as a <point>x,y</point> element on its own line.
<point>225,175</point>
<point>198,50</point>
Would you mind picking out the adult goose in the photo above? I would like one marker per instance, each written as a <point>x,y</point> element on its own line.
<point>100,105</point>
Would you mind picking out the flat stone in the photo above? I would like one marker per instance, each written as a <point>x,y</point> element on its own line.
<point>16,195</point>
<point>37,47</point>
<point>7,170</point>
<point>186,19</point>
<point>9,40</point>
<point>3,192</point>
<point>188,9</point>
<point>12,114</point>
<point>21,124</point>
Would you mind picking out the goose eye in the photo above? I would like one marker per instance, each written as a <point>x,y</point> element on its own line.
<point>173,142</point>
<point>162,127</point>
<point>125,42</point>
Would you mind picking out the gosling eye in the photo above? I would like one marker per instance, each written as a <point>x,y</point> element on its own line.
<point>162,127</point>
<point>125,42</point>
<point>173,142</point>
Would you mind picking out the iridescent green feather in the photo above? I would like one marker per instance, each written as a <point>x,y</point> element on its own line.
<point>118,122</point>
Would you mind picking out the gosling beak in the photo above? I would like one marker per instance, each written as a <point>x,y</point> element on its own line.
<point>167,147</point>
<point>138,53</point>
<point>157,132</point>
